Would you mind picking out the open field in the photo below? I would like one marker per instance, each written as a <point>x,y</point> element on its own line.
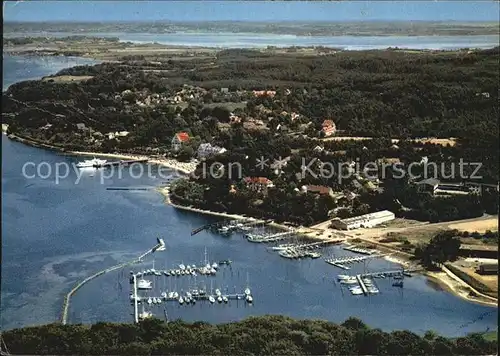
<point>479,226</point>
<point>437,141</point>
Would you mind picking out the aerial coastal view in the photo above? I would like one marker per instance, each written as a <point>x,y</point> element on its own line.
<point>258,178</point>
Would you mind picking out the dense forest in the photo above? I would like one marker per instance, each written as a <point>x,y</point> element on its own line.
<point>267,335</point>
<point>378,94</point>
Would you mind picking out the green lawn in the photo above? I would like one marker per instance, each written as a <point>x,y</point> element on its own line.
<point>491,335</point>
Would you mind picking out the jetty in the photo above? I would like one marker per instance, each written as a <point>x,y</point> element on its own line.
<point>269,238</point>
<point>67,298</point>
<point>306,246</point>
<point>298,253</point>
<point>342,261</point>
<point>359,250</point>
<point>362,284</point>
<point>231,225</point>
<point>382,274</point>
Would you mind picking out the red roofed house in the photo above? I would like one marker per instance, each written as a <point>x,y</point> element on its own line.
<point>318,189</point>
<point>269,93</point>
<point>258,184</point>
<point>329,127</point>
<point>178,140</point>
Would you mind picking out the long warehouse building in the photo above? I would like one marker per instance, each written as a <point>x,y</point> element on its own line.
<point>367,220</point>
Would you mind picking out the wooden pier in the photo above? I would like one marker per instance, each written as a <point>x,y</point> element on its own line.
<point>136,309</point>
<point>271,238</point>
<point>362,284</point>
<point>392,273</point>
<point>339,262</point>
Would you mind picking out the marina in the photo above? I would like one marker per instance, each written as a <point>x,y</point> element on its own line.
<point>341,262</point>
<point>265,238</point>
<point>363,283</point>
<point>359,250</point>
<point>69,260</point>
<point>298,253</point>
<point>196,292</point>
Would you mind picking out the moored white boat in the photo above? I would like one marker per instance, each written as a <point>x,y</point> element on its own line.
<point>144,284</point>
<point>91,163</point>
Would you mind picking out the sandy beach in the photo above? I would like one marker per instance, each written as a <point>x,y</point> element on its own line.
<point>183,167</point>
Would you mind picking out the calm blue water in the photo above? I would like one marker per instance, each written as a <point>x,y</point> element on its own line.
<point>253,40</point>
<point>16,68</point>
<point>54,235</point>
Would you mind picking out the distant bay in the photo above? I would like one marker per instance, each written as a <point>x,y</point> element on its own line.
<point>262,40</point>
<point>20,68</point>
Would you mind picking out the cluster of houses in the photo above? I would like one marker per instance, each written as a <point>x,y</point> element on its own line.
<point>269,93</point>
<point>204,150</point>
<point>188,92</point>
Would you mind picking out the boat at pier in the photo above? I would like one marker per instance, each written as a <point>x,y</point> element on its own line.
<point>144,284</point>
<point>91,163</point>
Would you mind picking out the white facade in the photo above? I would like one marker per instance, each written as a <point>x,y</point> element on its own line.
<point>176,144</point>
<point>206,149</point>
<point>367,220</point>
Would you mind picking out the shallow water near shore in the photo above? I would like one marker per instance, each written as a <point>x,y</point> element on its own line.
<point>262,40</point>
<point>55,235</point>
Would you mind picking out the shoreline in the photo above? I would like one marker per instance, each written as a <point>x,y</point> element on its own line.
<point>445,279</point>
<point>185,168</point>
<point>166,194</point>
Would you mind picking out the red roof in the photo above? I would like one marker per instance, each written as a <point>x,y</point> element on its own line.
<point>182,136</point>
<point>261,180</point>
<point>321,189</point>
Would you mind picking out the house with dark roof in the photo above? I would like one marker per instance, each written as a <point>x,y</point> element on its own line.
<point>178,140</point>
<point>487,268</point>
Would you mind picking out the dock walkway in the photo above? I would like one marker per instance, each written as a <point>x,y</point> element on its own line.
<point>67,299</point>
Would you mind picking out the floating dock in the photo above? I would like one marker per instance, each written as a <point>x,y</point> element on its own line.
<point>298,253</point>
<point>362,284</point>
<point>269,238</point>
<point>306,246</point>
<point>392,273</point>
<point>341,261</point>
<point>359,250</point>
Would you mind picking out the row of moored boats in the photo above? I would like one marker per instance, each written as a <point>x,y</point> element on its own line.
<point>192,296</point>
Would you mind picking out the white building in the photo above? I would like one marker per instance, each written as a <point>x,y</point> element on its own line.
<point>206,149</point>
<point>178,140</point>
<point>367,220</point>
